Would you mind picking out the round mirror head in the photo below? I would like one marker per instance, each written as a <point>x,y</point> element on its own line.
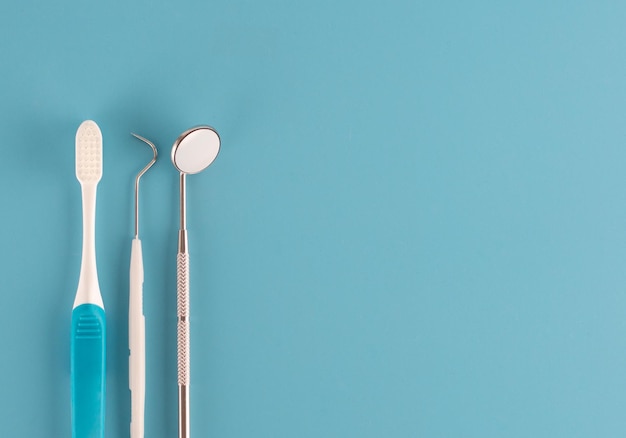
<point>195,149</point>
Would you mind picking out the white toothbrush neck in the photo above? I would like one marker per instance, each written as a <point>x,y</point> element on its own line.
<point>88,288</point>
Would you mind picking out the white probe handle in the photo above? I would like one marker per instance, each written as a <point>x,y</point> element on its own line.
<point>136,342</point>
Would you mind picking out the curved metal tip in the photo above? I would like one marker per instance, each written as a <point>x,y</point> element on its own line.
<point>149,143</point>
<point>139,175</point>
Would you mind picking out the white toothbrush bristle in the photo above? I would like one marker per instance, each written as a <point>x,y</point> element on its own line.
<point>88,152</point>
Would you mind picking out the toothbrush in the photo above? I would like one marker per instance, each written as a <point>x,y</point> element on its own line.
<point>136,320</point>
<point>88,349</point>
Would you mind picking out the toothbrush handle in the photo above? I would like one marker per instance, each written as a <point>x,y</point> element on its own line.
<point>182,277</point>
<point>88,357</point>
<point>136,342</point>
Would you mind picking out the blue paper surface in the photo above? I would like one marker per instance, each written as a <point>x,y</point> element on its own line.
<point>414,228</point>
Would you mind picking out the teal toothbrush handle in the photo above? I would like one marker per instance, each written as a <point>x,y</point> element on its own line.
<point>88,371</point>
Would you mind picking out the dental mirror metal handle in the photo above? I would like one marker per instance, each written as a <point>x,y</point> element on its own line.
<point>136,319</point>
<point>192,152</point>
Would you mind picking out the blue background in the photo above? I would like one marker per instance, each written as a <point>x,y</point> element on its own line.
<point>415,226</point>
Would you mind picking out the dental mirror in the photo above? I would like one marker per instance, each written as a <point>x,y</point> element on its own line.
<point>195,149</point>
<point>192,152</point>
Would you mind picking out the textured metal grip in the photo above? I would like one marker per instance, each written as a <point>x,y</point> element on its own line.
<point>183,317</point>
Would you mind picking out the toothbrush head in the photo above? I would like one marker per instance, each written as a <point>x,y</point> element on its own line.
<point>88,153</point>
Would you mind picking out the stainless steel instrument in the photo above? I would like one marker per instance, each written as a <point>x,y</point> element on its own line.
<point>192,152</point>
